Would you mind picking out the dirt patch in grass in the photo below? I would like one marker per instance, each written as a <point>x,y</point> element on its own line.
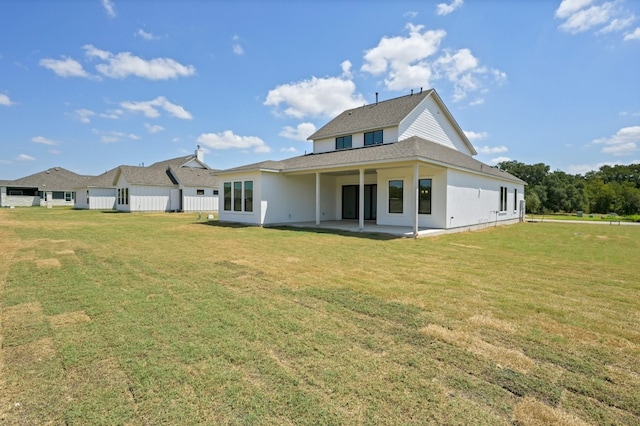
<point>482,320</point>
<point>466,246</point>
<point>68,318</point>
<point>65,252</point>
<point>503,357</point>
<point>29,353</point>
<point>47,263</point>
<point>531,412</point>
<point>24,312</point>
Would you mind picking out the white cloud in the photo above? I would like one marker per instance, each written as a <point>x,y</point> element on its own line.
<point>112,114</point>
<point>634,35</point>
<point>624,142</point>
<point>84,115</point>
<point>409,62</point>
<point>299,133</point>
<point>115,136</point>
<point>403,58</point>
<point>617,25</point>
<point>44,141</point>
<point>109,8</point>
<point>491,149</point>
<point>66,67</point>
<point>445,9</point>
<point>153,128</point>
<point>229,140</point>
<point>151,108</point>
<point>237,47</point>
<point>582,15</point>
<point>472,136</point>
<point>124,64</point>
<point>497,160</point>
<point>569,7</point>
<point>145,35</point>
<point>5,100</point>
<point>586,19</point>
<point>410,14</point>
<point>290,150</point>
<point>317,97</point>
<point>346,69</point>
<point>25,157</point>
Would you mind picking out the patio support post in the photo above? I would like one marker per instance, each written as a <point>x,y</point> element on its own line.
<point>361,201</point>
<point>416,197</point>
<point>317,198</point>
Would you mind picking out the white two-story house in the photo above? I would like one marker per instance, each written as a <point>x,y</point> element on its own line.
<point>401,162</point>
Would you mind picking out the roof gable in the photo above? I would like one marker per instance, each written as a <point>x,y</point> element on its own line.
<point>374,116</point>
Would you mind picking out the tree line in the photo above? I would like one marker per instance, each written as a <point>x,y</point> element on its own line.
<point>611,189</point>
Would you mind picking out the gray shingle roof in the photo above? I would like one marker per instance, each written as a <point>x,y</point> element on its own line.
<point>105,180</point>
<point>53,179</point>
<point>154,176</point>
<point>413,148</point>
<point>375,116</point>
<point>173,162</point>
<point>190,176</point>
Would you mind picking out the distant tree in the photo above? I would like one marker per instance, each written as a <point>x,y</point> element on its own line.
<point>532,202</point>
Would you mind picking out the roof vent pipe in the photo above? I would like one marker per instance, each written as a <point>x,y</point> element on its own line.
<point>421,90</point>
<point>376,98</point>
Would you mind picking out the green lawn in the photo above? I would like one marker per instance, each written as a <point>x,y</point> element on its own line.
<point>139,319</point>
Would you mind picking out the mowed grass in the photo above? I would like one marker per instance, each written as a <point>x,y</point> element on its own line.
<point>163,319</point>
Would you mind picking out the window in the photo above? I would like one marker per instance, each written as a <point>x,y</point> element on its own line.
<point>248,196</point>
<point>215,192</point>
<point>199,191</point>
<point>69,196</point>
<point>126,196</point>
<point>503,198</point>
<point>373,138</point>
<point>240,193</point>
<point>424,196</point>
<point>343,142</point>
<point>237,196</point>
<point>515,199</point>
<point>395,196</point>
<point>227,195</point>
<point>58,195</point>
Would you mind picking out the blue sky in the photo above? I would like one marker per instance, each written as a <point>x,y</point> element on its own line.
<point>90,85</point>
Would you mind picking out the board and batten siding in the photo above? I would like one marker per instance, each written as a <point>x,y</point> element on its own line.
<point>429,122</point>
<point>192,202</point>
<point>101,198</point>
<point>149,199</point>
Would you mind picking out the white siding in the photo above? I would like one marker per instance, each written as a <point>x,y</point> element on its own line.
<point>287,199</point>
<point>324,145</point>
<point>428,121</point>
<point>100,198</point>
<point>3,196</point>
<point>192,202</point>
<point>149,199</point>
<point>255,217</point>
<point>475,200</point>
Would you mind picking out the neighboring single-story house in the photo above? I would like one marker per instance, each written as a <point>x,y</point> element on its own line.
<point>52,187</point>
<point>401,162</point>
<point>179,184</point>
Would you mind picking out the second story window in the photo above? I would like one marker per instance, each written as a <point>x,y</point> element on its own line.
<point>373,138</point>
<point>343,142</point>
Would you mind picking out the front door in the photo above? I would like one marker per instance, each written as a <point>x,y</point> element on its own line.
<point>350,202</point>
